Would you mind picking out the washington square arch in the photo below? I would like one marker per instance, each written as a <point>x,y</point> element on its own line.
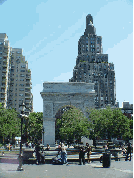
<point>58,94</point>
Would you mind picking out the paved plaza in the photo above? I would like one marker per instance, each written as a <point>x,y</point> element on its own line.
<point>118,169</point>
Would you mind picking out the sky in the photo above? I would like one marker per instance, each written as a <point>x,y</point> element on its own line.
<point>48,32</point>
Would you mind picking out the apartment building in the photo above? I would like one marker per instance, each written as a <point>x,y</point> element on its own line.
<point>4,63</point>
<point>15,77</point>
<point>92,66</point>
<point>19,81</point>
<point>127,109</point>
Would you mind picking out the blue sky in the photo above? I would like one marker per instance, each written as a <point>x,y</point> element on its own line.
<point>48,32</point>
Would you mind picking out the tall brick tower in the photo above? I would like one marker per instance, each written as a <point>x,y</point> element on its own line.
<point>92,66</point>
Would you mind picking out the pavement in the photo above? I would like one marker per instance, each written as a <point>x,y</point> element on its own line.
<point>117,169</point>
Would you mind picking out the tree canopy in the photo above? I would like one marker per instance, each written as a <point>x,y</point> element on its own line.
<point>35,125</point>
<point>110,123</point>
<point>72,125</point>
<point>9,123</point>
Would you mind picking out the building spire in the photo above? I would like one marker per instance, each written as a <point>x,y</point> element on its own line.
<point>90,29</point>
<point>89,20</point>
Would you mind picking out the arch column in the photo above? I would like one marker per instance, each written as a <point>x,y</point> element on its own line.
<point>49,131</point>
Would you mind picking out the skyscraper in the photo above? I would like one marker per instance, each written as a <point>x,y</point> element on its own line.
<point>92,66</point>
<point>19,81</point>
<point>15,77</point>
<point>4,63</point>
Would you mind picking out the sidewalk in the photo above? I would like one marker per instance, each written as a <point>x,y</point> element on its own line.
<point>118,169</point>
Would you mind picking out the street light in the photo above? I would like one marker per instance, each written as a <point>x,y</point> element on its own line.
<point>22,108</point>
<point>43,135</point>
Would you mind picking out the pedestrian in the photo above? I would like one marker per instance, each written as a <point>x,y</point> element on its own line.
<point>82,156</point>
<point>64,154</point>
<point>26,144</point>
<point>123,150</point>
<point>88,150</point>
<point>129,148</point>
<point>107,145</point>
<point>17,143</point>
<point>30,145</point>
<point>48,147</point>
<point>37,149</point>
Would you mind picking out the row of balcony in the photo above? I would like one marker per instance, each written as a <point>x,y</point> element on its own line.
<point>4,70</point>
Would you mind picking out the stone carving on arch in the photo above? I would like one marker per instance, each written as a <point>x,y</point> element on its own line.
<point>56,95</point>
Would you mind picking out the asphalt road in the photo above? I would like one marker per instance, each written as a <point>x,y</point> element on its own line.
<point>118,169</point>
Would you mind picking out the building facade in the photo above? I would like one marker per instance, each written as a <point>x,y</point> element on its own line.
<point>19,81</point>
<point>92,66</point>
<point>127,109</point>
<point>4,66</point>
<point>15,77</point>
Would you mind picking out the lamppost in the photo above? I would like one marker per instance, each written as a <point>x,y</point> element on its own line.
<point>42,135</point>
<point>22,108</point>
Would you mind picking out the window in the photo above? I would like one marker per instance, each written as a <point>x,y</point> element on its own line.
<point>21,75</point>
<point>22,70</point>
<point>20,94</point>
<point>87,40</point>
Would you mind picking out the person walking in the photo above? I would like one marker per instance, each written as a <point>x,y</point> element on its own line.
<point>64,154</point>
<point>37,149</point>
<point>88,150</point>
<point>82,156</point>
<point>129,148</point>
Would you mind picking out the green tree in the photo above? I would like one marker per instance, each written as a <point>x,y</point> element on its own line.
<point>109,123</point>
<point>35,125</point>
<point>72,125</point>
<point>9,123</point>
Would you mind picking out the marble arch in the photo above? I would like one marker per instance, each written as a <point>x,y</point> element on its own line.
<point>58,94</point>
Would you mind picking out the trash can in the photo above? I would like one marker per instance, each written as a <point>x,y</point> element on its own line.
<point>106,159</point>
